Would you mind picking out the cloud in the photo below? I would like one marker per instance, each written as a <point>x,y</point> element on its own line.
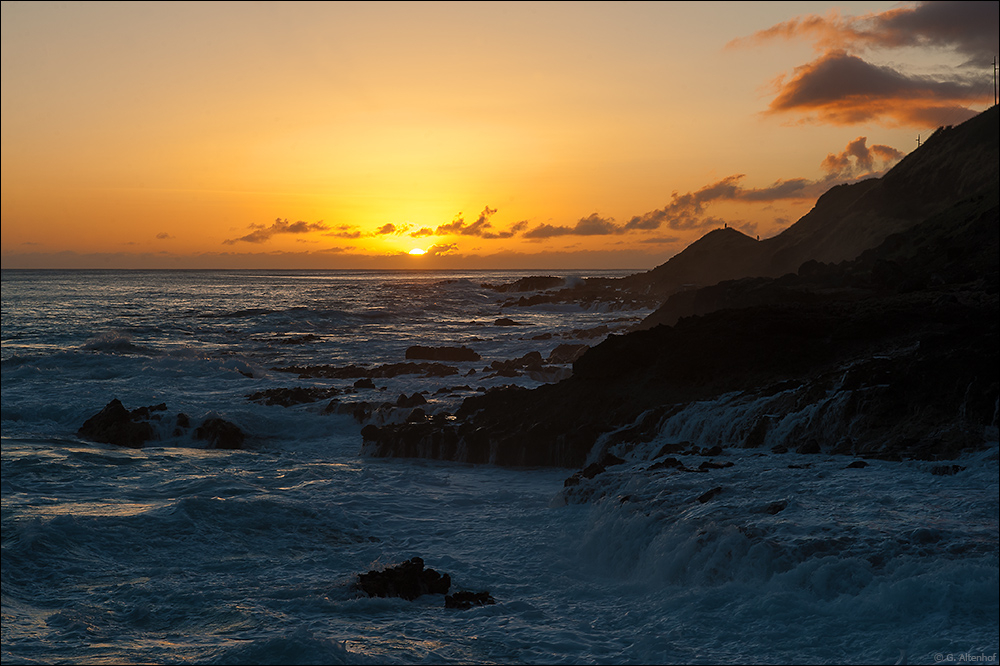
<point>263,233</point>
<point>441,250</point>
<point>689,211</point>
<point>422,233</point>
<point>592,225</point>
<point>857,160</point>
<point>344,231</point>
<point>842,88</point>
<point>481,228</point>
<point>163,235</point>
<point>968,28</point>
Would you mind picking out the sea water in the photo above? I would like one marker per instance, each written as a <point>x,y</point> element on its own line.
<point>175,553</point>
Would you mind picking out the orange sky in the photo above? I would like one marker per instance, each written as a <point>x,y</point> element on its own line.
<point>492,135</point>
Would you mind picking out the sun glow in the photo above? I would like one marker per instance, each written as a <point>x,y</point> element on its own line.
<point>417,250</point>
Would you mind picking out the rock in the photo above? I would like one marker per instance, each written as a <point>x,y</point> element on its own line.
<point>504,321</point>
<point>454,354</point>
<point>857,464</point>
<point>408,580</point>
<point>810,447</point>
<point>947,470</point>
<point>666,463</point>
<point>776,507</point>
<point>708,464</point>
<point>710,494</point>
<point>532,283</point>
<point>220,433</point>
<point>286,397</point>
<point>465,600</point>
<point>364,383</point>
<point>567,353</point>
<point>115,425</point>
<point>414,400</point>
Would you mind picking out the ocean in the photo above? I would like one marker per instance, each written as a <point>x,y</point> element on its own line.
<point>178,553</point>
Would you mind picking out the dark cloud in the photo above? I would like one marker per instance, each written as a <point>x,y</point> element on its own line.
<point>386,229</point>
<point>840,87</point>
<point>263,233</point>
<point>481,228</point>
<point>593,225</point>
<point>843,89</point>
<point>163,235</point>
<point>441,250</point>
<point>968,28</point>
<point>422,233</point>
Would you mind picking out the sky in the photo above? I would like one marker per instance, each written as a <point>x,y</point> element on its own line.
<point>456,135</point>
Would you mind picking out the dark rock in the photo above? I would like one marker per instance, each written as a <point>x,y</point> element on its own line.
<point>708,464</point>
<point>809,447</point>
<point>857,464</point>
<point>287,397</point>
<point>609,459</point>
<point>466,600</point>
<point>713,451</point>
<point>947,470</point>
<point>408,580</point>
<point>567,353</point>
<point>453,354</point>
<point>666,463</point>
<point>414,400</point>
<point>776,507</point>
<point>592,470</point>
<point>505,321</point>
<point>710,494</point>
<point>533,283</point>
<point>364,383</point>
<point>417,416</point>
<point>220,433</point>
<point>115,425</point>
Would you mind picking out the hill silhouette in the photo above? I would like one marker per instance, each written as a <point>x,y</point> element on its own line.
<point>889,352</point>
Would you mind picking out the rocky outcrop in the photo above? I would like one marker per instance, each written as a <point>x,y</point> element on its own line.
<point>116,425</point>
<point>408,580</point>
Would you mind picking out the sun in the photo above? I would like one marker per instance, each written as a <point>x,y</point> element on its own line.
<point>417,250</point>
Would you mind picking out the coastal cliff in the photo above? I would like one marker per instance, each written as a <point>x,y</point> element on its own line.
<point>872,324</point>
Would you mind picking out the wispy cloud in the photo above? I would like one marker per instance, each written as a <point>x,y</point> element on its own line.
<point>163,235</point>
<point>841,87</point>
<point>344,231</point>
<point>263,233</point>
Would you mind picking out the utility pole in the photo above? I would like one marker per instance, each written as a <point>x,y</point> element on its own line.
<point>994,80</point>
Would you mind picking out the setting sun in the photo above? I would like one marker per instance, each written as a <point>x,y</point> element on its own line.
<point>417,250</point>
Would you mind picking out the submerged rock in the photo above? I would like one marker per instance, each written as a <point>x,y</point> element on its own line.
<point>465,600</point>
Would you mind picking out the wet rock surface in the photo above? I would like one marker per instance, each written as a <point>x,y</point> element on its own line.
<point>133,429</point>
